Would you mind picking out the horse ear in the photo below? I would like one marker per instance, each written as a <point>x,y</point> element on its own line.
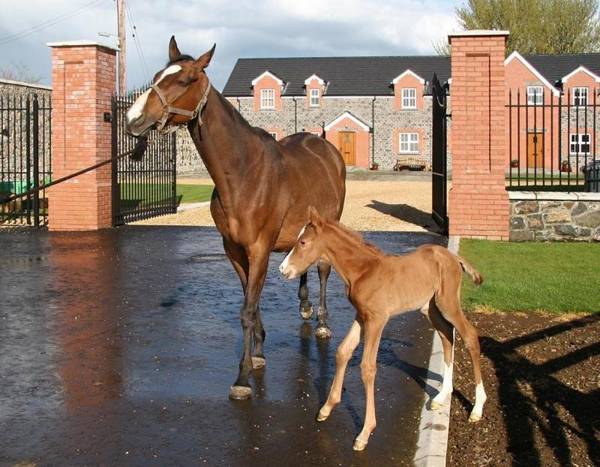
<point>313,217</point>
<point>174,52</point>
<point>205,58</point>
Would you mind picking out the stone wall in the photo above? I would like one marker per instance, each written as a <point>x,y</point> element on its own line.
<point>547,216</point>
<point>189,161</point>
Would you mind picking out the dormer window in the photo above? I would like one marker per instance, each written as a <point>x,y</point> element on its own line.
<point>267,99</point>
<point>409,98</point>
<point>315,95</point>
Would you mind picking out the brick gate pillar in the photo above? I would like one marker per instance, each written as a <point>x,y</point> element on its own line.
<point>83,81</point>
<point>478,203</point>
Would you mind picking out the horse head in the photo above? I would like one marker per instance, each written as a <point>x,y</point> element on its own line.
<point>177,95</point>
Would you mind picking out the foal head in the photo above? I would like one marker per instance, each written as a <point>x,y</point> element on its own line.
<point>308,248</point>
<point>175,96</point>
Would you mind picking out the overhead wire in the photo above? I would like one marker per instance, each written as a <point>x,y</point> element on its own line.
<point>136,41</point>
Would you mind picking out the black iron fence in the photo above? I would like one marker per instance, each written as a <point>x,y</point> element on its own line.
<point>552,140</point>
<point>144,188</point>
<point>439,170</point>
<point>25,157</point>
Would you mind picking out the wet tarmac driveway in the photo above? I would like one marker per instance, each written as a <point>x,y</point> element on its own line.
<point>119,347</point>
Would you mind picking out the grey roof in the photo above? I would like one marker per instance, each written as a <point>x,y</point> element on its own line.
<point>555,67</point>
<point>372,76</point>
<point>347,76</point>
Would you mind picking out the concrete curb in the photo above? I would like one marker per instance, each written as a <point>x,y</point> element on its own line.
<point>432,444</point>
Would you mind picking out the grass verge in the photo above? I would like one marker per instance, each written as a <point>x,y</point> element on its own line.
<point>194,193</point>
<point>552,277</point>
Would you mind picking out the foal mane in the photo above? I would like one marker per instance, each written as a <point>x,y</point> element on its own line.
<point>352,237</point>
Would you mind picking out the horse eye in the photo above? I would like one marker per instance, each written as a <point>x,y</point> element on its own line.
<point>302,242</point>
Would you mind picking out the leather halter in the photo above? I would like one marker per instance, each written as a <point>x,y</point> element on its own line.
<point>169,110</point>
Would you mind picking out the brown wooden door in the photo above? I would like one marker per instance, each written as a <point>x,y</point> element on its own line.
<point>535,150</point>
<point>348,147</point>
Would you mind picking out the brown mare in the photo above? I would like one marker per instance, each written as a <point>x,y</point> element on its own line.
<point>262,190</point>
<point>381,286</point>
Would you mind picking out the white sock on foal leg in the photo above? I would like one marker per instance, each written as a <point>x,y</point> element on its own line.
<point>439,400</point>
<point>480,398</point>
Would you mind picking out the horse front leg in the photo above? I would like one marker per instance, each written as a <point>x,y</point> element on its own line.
<point>306,308</point>
<point>258,259</point>
<point>323,331</point>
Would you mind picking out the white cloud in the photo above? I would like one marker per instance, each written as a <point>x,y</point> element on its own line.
<point>240,29</point>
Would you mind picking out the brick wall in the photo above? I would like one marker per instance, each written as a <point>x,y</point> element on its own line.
<point>478,201</point>
<point>83,81</point>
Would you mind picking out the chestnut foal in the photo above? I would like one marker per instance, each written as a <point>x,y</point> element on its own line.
<point>381,286</point>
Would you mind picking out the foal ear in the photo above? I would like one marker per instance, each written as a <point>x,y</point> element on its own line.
<point>174,52</point>
<point>204,59</point>
<point>313,217</point>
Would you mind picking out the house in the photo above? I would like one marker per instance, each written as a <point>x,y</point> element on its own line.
<point>378,109</point>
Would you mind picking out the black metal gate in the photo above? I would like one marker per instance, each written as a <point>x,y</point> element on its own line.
<point>439,155</point>
<point>145,188</point>
<point>25,159</point>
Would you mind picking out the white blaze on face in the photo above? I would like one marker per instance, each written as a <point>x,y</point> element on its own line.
<point>137,109</point>
<point>284,265</point>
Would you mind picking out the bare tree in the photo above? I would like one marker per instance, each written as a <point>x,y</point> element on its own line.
<point>19,72</point>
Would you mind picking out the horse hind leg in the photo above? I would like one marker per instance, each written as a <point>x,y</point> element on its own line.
<point>323,331</point>
<point>306,308</point>
<point>450,308</point>
<point>446,332</point>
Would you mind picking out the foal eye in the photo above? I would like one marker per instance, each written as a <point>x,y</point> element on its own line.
<point>302,242</point>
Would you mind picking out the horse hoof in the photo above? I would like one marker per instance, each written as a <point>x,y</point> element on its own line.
<point>240,393</point>
<point>435,405</point>
<point>258,363</point>
<point>474,418</point>
<point>306,313</point>
<point>323,332</point>
<point>359,445</point>
<point>321,417</point>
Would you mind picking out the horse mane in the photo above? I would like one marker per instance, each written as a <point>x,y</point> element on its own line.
<point>181,58</point>
<point>353,236</point>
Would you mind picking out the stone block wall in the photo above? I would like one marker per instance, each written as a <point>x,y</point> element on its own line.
<point>544,216</point>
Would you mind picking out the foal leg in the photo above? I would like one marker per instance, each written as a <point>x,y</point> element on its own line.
<point>450,308</point>
<point>368,369</point>
<point>323,330</point>
<point>258,259</point>
<point>446,332</point>
<point>342,357</point>
<point>239,260</point>
<point>306,308</point>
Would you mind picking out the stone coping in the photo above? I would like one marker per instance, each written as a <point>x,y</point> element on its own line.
<point>553,196</point>
<point>479,33</point>
<point>24,84</point>
<point>82,43</point>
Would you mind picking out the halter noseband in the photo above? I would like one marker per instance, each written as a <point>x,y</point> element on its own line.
<point>169,110</point>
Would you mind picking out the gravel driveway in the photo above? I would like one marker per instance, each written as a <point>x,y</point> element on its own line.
<point>401,205</point>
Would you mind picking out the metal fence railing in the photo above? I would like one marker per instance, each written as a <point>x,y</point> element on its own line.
<point>552,140</point>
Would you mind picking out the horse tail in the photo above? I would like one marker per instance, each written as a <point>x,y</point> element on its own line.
<point>470,270</point>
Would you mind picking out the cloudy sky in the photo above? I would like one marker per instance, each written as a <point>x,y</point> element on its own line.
<point>259,28</point>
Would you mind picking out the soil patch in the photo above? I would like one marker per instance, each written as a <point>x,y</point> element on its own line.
<point>542,378</point>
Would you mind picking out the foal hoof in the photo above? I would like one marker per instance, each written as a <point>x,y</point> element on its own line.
<point>321,417</point>
<point>240,393</point>
<point>359,445</point>
<point>474,418</point>
<point>258,363</point>
<point>323,332</point>
<point>307,312</point>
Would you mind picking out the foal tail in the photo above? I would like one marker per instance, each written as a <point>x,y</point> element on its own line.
<point>470,270</point>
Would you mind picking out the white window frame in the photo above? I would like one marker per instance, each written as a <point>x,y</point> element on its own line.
<point>576,142</point>
<point>267,99</point>
<point>274,134</point>
<point>409,98</point>
<point>411,143</point>
<point>315,97</point>
<point>577,97</point>
<point>535,95</point>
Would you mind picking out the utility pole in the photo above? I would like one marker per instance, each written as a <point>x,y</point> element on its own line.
<point>122,54</point>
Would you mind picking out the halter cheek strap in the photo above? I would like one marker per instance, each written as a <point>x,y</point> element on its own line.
<point>169,110</point>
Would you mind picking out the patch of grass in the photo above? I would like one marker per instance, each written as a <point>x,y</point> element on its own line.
<point>194,193</point>
<point>552,277</point>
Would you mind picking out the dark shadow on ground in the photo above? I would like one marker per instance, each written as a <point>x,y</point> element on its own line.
<point>406,213</point>
<point>532,396</point>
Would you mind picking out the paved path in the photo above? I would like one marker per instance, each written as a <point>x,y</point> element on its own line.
<point>118,348</point>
